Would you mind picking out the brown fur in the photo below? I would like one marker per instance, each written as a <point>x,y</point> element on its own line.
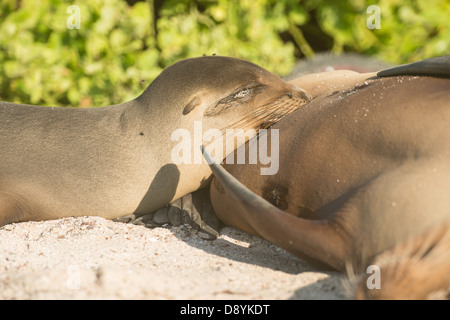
<point>416,269</point>
<point>364,167</point>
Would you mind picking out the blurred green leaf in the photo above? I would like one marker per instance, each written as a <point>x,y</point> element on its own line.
<point>120,47</point>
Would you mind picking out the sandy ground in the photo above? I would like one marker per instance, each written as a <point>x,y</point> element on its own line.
<point>94,258</point>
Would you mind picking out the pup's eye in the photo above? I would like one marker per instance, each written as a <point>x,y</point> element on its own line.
<point>242,93</point>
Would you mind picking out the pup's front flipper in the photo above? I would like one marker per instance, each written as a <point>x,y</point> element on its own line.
<point>193,210</point>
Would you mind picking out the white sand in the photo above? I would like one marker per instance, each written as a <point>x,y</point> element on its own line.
<point>94,258</point>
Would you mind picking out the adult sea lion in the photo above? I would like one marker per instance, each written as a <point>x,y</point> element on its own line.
<point>115,160</point>
<point>364,171</point>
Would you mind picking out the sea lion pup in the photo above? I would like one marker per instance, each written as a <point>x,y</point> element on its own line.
<point>115,160</point>
<point>363,168</point>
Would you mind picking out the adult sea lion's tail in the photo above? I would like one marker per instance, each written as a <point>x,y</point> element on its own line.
<point>416,269</point>
<point>435,67</point>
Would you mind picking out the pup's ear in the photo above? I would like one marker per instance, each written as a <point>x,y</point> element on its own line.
<point>195,102</point>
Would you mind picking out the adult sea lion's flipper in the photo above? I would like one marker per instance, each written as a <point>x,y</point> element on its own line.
<point>413,269</point>
<point>436,67</point>
<point>316,240</point>
<point>196,210</point>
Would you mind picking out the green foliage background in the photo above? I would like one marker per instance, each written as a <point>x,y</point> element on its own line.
<point>123,45</point>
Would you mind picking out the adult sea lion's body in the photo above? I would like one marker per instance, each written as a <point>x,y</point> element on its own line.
<point>364,168</point>
<point>116,160</point>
